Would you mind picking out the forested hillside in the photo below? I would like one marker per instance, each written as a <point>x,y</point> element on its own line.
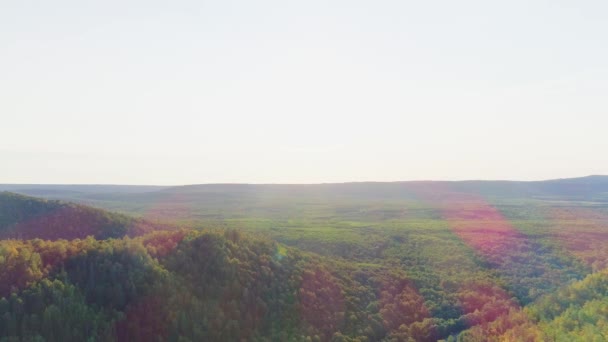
<point>368,262</point>
<point>197,286</point>
<point>26,217</point>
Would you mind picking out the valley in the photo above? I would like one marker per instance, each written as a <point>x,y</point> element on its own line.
<point>403,261</point>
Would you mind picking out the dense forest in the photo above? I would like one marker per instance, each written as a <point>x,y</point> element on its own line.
<point>195,286</point>
<point>412,262</point>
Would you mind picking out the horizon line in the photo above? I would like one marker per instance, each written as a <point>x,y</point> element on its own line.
<point>312,183</point>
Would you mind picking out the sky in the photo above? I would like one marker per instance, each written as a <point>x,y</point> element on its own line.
<point>184,92</point>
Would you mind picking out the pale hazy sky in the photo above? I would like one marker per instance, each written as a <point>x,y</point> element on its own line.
<point>178,92</point>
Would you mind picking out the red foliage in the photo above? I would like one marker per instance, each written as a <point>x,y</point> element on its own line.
<point>321,302</point>
<point>160,244</point>
<point>147,320</point>
<point>401,305</point>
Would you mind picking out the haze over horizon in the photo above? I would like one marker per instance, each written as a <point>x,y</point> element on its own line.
<point>192,92</point>
<point>12,185</point>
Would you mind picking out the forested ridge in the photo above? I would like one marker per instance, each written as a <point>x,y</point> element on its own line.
<point>453,267</point>
<point>27,217</point>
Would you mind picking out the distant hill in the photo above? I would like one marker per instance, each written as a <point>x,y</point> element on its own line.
<point>75,191</point>
<point>27,217</point>
<point>81,188</point>
<point>595,186</point>
<point>220,201</point>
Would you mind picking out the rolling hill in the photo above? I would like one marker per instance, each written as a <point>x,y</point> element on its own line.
<point>25,217</point>
<point>192,202</point>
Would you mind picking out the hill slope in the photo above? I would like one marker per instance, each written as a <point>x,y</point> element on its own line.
<point>26,217</point>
